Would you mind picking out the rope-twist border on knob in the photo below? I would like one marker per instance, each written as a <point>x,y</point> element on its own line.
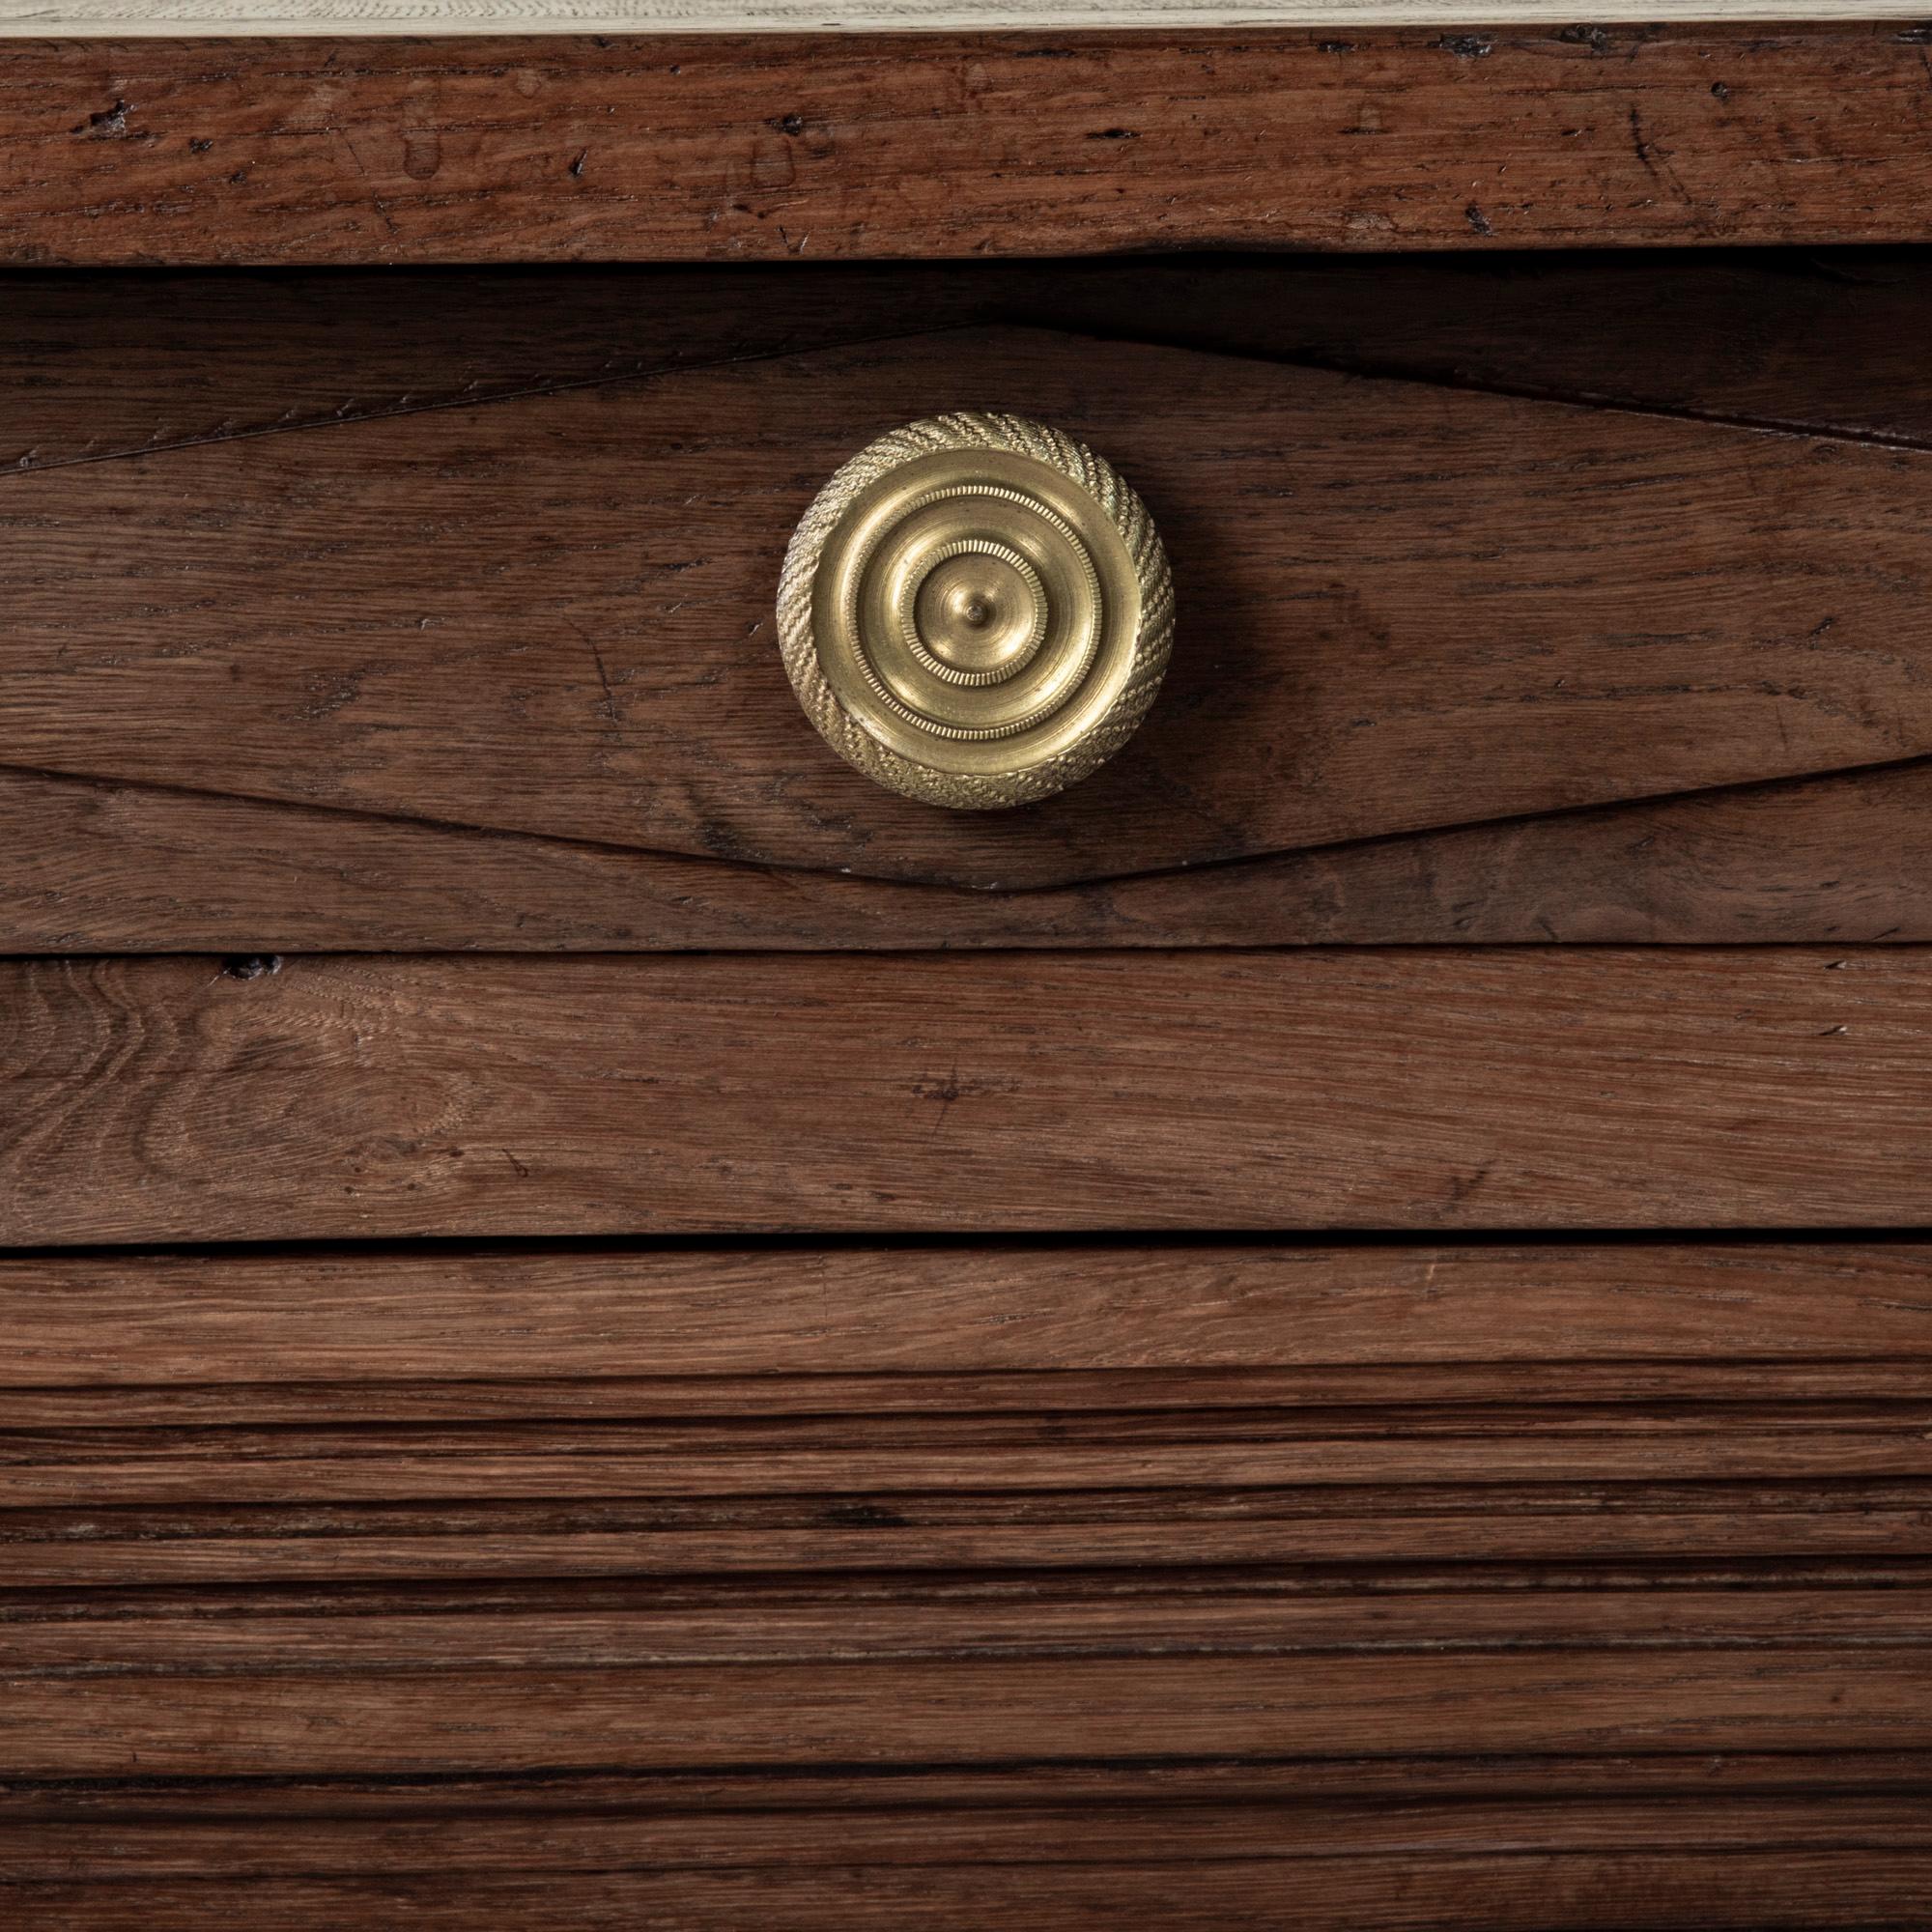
<point>1118,500</point>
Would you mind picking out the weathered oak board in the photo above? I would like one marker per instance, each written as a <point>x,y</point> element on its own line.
<point>1524,1087</point>
<point>1029,1502</point>
<point>95,866</point>
<point>940,1713</point>
<point>209,357</point>
<point>770,1686</point>
<point>1403,605</point>
<point>1871,1530</point>
<point>203,355</point>
<point>785,148</point>
<point>1433,1563</point>
<point>405,1316</point>
<point>1242,1824</point>
<point>1770,1889</point>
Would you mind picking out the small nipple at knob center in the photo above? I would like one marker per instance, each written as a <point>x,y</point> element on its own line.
<point>977,614</point>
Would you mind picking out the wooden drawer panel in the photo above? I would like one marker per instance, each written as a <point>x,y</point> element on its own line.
<point>887,1467</point>
<point>503,676</point>
<point>1406,607</point>
<point>1527,1087</point>
<point>929,1566</point>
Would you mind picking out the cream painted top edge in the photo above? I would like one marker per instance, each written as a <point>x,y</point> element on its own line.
<point>160,19</point>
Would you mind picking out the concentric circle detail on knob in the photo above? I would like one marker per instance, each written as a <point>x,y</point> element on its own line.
<point>977,614</point>
<point>976,610</point>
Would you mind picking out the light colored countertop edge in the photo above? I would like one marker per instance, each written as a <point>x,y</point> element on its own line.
<point>186,18</point>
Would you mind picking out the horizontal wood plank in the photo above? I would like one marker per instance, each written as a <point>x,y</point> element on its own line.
<point>1777,1891</point>
<point>423,18</point>
<point>923,1836</point>
<point>720,147</point>
<point>98,866</point>
<point>1224,1450</point>
<point>1343,1789</point>
<point>1530,1086</point>
<point>1843,1697</point>
<point>1150,1394</point>
<point>195,1642</point>
<point>206,355</point>
<point>376,1319</point>
<point>1731,1532</point>
<point>1371,574</point>
<point>973,1591</point>
<point>1322,1833</point>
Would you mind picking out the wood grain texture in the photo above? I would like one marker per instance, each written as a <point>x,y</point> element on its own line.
<point>96,867</point>
<point>407,1317</point>
<point>168,18</point>
<point>204,356</point>
<point>1630,1891</point>
<point>1400,606</point>
<point>1874,1528</point>
<point>761,147</point>
<point>997,1834</point>
<point>207,358</point>
<point>1189,1580</point>
<point>970,1713</point>
<point>1750,1781</point>
<point>1527,1087</point>
<point>1467,1640</point>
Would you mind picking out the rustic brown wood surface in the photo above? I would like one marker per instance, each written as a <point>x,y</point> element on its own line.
<point>832,1317</point>
<point>1763,1890</point>
<point>1404,606</point>
<point>781,148</point>
<point>93,867</point>
<point>1182,1579</point>
<point>204,358</point>
<point>1505,1087</point>
<point>1608,1561</point>
<point>201,355</point>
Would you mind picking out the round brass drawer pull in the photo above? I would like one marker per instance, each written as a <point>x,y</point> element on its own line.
<point>976,611</point>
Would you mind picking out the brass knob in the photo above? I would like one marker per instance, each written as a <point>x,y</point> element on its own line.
<point>976,611</point>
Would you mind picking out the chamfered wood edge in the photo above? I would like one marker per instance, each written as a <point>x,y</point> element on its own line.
<point>102,866</point>
<point>933,144</point>
<point>290,724</point>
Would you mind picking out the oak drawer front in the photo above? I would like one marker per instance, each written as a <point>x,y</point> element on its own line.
<point>606,1321</point>
<point>493,668</point>
<point>492,663</point>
